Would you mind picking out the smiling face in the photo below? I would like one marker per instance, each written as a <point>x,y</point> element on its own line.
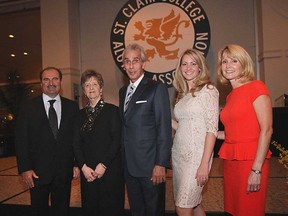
<point>92,89</point>
<point>189,69</point>
<point>231,67</point>
<point>51,83</point>
<point>133,64</point>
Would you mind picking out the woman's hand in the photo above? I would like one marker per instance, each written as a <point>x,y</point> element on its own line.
<point>174,124</point>
<point>202,175</point>
<point>221,135</point>
<point>99,170</point>
<point>253,182</point>
<point>88,173</point>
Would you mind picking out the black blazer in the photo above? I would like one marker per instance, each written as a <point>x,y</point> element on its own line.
<point>36,147</point>
<point>102,144</point>
<point>146,131</point>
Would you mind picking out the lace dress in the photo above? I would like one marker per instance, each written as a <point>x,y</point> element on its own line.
<point>196,116</point>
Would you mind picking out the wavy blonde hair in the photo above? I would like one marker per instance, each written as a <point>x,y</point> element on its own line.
<point>180,83</point>
<point>239,53</point>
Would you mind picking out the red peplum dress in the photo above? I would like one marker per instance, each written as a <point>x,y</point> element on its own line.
<point>239,150</point>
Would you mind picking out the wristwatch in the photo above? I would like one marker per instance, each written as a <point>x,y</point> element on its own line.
<point>256,171</point>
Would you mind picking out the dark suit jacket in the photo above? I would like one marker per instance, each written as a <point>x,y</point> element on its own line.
<point>146,131</point>
<point>36,147</point>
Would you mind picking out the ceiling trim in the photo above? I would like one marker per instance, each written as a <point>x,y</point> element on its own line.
<point>11,6</point>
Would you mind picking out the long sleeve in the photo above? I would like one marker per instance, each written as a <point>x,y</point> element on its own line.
<point>22,140</point>
<point>115,133</point>
<point>163,126</point>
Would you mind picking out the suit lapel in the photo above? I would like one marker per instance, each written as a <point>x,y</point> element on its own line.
<point>122,100</point>
<point>42,112</point>
<point>41,109</point>
<point>63,115</point>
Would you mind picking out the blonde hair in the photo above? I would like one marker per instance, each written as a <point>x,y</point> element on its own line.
<point>238,52</point>
<point>180,83</point>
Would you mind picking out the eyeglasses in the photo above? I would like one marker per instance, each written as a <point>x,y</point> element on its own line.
<point>134,61</point>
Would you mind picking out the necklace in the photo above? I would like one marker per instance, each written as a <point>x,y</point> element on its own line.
<point>91,114</point>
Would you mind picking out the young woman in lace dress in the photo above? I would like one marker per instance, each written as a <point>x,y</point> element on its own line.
<point>196,124</point>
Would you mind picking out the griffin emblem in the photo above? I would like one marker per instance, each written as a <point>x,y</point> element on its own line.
<point>161,33</point>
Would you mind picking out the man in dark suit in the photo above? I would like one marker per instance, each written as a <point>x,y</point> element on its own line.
<point>146,136</point>
<point>44,150</point>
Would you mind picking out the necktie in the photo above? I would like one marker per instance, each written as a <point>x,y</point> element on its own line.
<point>129,96</point>
<point>53,118</point>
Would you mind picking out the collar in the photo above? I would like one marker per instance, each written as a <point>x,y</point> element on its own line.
<point>46,98</point>
<point>138,81</point>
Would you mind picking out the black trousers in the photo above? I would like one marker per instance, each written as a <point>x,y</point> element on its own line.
<point>145,199</point>
<point>100,198</point>
<point>59,194</point>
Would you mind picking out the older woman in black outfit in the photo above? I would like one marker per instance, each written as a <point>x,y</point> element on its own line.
<point>97,150</point>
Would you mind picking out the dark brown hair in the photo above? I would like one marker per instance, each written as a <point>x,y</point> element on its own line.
<point>51,68</point>
<point>86,75</point>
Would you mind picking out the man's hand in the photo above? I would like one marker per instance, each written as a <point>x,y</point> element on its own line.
<point>158,175</point>
<point>27,178</point>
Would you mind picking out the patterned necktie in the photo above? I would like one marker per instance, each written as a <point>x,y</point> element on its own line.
<point>129,96</point>
<point>52,116</point>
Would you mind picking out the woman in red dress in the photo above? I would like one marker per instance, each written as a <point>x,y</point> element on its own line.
<point>247,119</point>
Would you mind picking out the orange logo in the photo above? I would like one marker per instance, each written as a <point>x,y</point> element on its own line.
<point>165,28</point>
<point>161,33</point>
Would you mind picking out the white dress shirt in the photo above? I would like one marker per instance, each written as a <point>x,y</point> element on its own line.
<point>135,84</point>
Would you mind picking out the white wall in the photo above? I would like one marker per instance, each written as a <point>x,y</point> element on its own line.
<point>96,19</point>
<point>231,21</point>
<point>273,56</point>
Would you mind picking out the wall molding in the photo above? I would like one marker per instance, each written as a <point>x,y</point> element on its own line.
<point>280,7</point>
<point>70,71</point>
<point>271,54</point>
<point>34,81</point>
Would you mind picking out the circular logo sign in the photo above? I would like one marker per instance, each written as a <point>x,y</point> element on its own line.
<point>165,28</point>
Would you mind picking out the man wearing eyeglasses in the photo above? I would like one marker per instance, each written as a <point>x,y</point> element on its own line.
<point>146,135</point>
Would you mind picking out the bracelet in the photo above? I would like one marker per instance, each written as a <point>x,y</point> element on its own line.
<point>256,171</point>
<point>103,165</point>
